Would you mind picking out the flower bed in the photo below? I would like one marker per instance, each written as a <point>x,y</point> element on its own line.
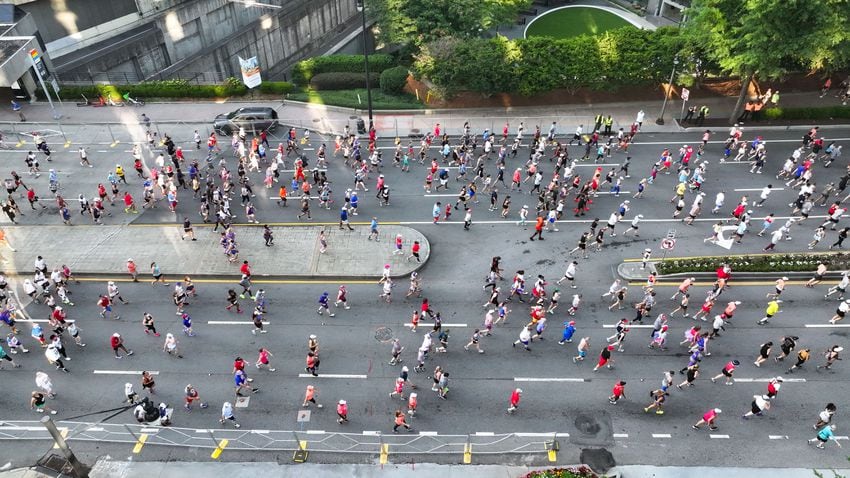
<point>756,263</point>
<point>570,472</point>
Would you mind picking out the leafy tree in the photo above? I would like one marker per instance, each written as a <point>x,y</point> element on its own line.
<point>422,21</point>
<point>762,38</point>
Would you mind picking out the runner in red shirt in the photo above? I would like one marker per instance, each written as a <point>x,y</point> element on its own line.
<point>515,396</point>
<point>245,269</point>
<point>618,392</point>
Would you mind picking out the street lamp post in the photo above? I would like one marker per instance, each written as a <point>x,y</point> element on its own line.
<point>660,119</point>
<point>361,7</point>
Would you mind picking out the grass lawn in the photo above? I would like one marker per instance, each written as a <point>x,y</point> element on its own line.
<point>570,22</point>
<point>349,99</point>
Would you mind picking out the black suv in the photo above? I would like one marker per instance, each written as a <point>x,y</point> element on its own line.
<point>253,119</point>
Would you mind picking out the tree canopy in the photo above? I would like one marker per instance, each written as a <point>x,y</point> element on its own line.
<point>768,38</point>
<point>421,21</point>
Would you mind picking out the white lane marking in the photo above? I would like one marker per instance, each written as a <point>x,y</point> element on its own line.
<point>428,434</point>
<point>759,189</point>
<point>825,326</point>
<point>718,436</point>
<point>25,429</point>
<point>201,430</point>
<point>233,322</point>
<point>444,324</point>
<point>331,375</point>
<point>639,326</point>
<point>512,222</point>
<point>765,380</point>
<point>842,437</point>
<point>149,430</point>
<point>545,379</point>
<point>266,431</point>
<point>123,372</point>
<point>661,435</point>
<point>485,434</point>
<point>532,435</point>
<point>370,433</point>
<point>621,435</point>
<point>778,437</point>
<point>315,432</point>
<point>94,429</point>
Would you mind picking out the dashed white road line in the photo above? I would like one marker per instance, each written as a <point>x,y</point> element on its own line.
<point>547,379</point>
<point>759,189</point>
<point>332,375</point>
<point>621,435</point>
<point>661,435</point>
<point>428,434</point>
<point>778,437</point>
<point>825,326</point>
<point>485,434</point>
<point>371,433</point>
<point>445,324</point>
<point>765,380</point>
<point>123,372</point>
<point>718,436</point>
<point>533,435</point>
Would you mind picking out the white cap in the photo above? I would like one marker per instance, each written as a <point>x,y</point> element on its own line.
<point>312,336</point>
<point>784,278</point>
<point>717,410</point>
<point>519,390</point>
<point>405,369</point>
<point>640,216</point>
<point>116,334</point>
<point>342,402</point>
<point>737,302</point>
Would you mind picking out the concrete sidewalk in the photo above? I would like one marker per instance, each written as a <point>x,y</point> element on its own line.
<point>107,468</point>
<point>102,251</point>
<point>332,120</point>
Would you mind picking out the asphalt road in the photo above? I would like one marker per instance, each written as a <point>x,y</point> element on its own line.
<point>558,395</point>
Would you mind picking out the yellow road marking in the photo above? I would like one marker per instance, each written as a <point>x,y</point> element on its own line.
<point>734,283</point>
<point>467,453</point>
<point>553,455</point>
<point>64,433</point>
<point>220,448</point>
<point>729,256</point>
<point>141,443</point>
<point>385,453</point>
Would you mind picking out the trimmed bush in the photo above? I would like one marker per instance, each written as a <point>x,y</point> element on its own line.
<point>393,80</point>
<point>756,263</point>
<point>170,89</point>
<point>157,89</point>
<point>826,112</point>
<point>305,70</point>
<point>276,87</point>
<point>343,81</point>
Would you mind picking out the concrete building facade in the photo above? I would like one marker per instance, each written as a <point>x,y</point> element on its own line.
<point>127,41</point>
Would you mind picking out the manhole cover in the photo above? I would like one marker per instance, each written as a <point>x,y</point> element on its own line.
<point>316,120</point>
<point>587,424</point>
<point>414,131</point>
<point>353,117</point>
<point>384,334</point>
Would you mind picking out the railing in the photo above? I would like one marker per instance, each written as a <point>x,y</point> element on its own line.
<point>277,440</point>
<point>128,78</point>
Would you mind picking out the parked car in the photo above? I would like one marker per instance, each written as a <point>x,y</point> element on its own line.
<point>254,119</point>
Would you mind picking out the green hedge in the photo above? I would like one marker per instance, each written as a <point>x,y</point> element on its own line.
<point>757,263</point>
<point>276,87</point>
<point>621,58</point>
<point>393,80</point>
<point>170,89</point>
<point>305,70</point>
<point>825,112</point>
<point>343,81</point>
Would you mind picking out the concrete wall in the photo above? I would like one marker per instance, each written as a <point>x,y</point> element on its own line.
<point>208,35</point>
<point>60,18</point>
<point>277,40</point>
